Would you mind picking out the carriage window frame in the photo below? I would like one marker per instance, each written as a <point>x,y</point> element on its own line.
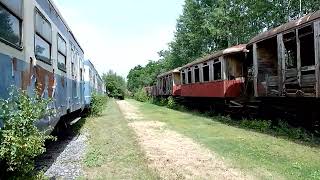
<point>197,74</point>
<point>189,75</point>
<point>214,65</point>
<point>183,76</point>
<point>48,41</point>
<point>64,54</point>
<point>20,21</point>
<point>204,74</point>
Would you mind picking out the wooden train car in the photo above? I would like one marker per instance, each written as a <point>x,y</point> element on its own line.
<point>285,60</point>
<point>168,84</point>
<point>219,75</point>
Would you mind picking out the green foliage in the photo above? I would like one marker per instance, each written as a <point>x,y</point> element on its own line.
<point>206,26</point>
<point>171,103</point>
<point>98,104</point>
<point>115,85</point>
<point>141,95</point>
<point>140,77</point>
<point>21,141</point>
<point>259,125</point>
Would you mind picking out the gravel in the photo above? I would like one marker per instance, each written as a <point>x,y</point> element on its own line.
<point>63,159</point>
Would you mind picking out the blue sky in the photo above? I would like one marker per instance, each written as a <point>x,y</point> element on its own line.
<point>120,34</point>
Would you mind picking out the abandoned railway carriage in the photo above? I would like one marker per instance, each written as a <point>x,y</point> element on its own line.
<point>93,82</point>
<point>38,49</point>
<point>219,75</point>
<point>285,60</point>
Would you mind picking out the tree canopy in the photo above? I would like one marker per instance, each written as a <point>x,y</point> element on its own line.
<point>115,84</point>
<point>206,26</point>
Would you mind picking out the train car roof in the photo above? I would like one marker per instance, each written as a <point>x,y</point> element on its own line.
<point>66,24</point>
<point>177,70</point>
<point>89,63</point>
<point>286,27</point>
<point>230,50</point>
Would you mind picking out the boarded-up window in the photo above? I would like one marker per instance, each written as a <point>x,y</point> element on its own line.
<point>206,72</point>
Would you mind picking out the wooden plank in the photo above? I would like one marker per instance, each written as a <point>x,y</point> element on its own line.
<point>298,57</point>
<point>281,63</point>
<point>308,68</point>
<point>255,69</point>
<point>317,55</point>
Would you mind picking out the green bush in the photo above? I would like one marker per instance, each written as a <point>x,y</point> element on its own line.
<point>98,104</point>
<point>171,103</point>
<point>21,141</point>
<point>259,125</point>
<point>141,95</point>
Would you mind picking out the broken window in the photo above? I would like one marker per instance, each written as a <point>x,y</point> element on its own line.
<point>290,45</point>
<point>189,76</point>
<point>217,70</point>
<point>306,38</point>
<point>196,74</point>
<point>206,72</point>
<point>183,77</point>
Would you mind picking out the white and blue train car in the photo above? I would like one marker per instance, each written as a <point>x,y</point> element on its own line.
<point>38,49</point>
<point>93,82</point>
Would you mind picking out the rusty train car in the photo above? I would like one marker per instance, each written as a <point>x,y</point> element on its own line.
<point>38,49</point>
<point>278,69</point>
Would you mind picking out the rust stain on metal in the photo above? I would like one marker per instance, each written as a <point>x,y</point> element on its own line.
<point>14,63</point>
<point>45,79</point>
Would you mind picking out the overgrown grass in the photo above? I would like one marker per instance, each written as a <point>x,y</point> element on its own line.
<point>113,152</point>
<point>262,155</point>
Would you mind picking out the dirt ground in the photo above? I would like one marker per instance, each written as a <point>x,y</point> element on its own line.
<point>173,155</point>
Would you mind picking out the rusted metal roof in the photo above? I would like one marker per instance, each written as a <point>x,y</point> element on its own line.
<point>170,72</point>
<point>286,27</point>
<point>230,50</point>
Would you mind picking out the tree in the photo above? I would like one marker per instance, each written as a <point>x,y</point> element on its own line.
<point>206,26</point>
<point>140,77</point>
<point>115,85</point>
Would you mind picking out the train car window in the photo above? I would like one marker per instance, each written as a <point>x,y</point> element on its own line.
<point>189,76</point>
<point>42,38</point>
<point>206,72</point>
<point>14,5</point>
<point>183,77</point>
<point>290,44</point>
<point>62,53</point>
<point>196,74</point>
<point>43,27</point>
<point>306,37</point>
<point>10,27</point>
<point>217,70</point>
<point>42,49</point>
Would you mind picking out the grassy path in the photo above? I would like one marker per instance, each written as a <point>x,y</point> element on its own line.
<point>264,156</point>
<point>113,152</point>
